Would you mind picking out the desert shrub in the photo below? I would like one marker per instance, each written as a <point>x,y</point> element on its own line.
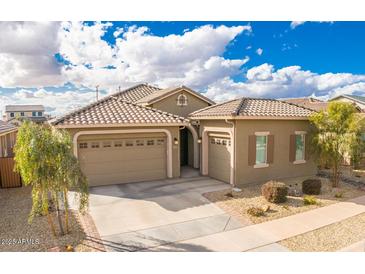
<point>339,194</point>
<point>312,186</point>
<point>255,211</point>
<point>274,192</point>
<point>229,195</point>
<point>310,200</point>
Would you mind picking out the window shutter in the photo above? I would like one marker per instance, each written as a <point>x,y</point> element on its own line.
<point>306,147</point>
<point>292,148</point>
<point>270,149</point>
<point>251,150</point>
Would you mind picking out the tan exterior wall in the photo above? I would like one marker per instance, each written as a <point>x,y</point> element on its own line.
<point>174,133</point>
<point>169,104</point>
<point>281,167</point>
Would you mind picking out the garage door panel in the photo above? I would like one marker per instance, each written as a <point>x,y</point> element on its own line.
<point>95,156</point>
<point>123,164</point>
<point>219,159</point>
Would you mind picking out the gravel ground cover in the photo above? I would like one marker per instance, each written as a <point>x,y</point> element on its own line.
<point>250,196</point>
<point>16,234</point>
<point>329,238</point>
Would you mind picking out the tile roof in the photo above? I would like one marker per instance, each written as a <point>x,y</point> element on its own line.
<point>358,98</point>
<point>153,97</point>
<point>5,127</point>
<point>135,93</point>
<point>254,107</point>
<point>114,111</point>
<point>310,103</point>
<point>24,108</point>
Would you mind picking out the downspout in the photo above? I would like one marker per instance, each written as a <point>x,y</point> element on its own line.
<point>233,146</point>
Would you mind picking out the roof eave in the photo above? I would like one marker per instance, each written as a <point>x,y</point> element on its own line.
<point>122,125</point>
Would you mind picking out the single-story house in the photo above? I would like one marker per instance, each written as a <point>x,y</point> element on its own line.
<point>124,138</point>
<point>308,102</point>
<point>250,140</point>
<point>147,133</point>
<point>357,100</point>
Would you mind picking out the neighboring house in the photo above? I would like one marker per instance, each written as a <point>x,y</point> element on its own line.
<point>359,101</point>
<point>34,113</point>
<point>7,139</point>
<point>121,138</point>
<point>251,140</point>
<point>308,102</point>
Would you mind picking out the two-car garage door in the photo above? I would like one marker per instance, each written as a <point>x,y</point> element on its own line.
<point>122,159</point>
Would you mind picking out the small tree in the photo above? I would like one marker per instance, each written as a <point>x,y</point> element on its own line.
<point>336,135</point>
<point>44,159</point>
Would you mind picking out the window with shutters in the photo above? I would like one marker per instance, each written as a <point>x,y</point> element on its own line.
<point>261,149</point>
<point>299,147</point>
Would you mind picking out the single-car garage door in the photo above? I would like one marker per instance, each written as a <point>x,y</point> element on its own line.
<point>219,158</point>
<point>123,159</point>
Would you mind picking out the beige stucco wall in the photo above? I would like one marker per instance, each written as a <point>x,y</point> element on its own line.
<point>169,104</point>
<point>281,167</point>
<point>174,134</point>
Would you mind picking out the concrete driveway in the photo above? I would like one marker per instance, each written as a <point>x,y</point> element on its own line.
<point>143,216</point>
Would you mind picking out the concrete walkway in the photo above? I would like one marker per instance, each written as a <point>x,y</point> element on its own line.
<point>264,236</point>
<point>356,247</point>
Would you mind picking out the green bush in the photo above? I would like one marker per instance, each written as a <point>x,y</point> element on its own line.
<point>274,192</point>
<point>312,186</point>
<point>310,200</point>
<point>255,211</point>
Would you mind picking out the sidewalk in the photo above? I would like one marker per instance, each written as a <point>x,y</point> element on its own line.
<point>257,237</point>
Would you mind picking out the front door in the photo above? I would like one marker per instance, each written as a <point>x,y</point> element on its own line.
<point>184,156</point>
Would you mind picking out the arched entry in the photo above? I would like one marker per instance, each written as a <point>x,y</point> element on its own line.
<point>189,147</point>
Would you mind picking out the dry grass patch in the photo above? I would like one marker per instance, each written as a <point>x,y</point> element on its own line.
<point>15,205</point>
<point>237,203</point>
<point>329,238</point>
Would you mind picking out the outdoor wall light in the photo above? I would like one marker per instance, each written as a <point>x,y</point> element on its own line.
<point>199,141</point>
<point>176,141</point>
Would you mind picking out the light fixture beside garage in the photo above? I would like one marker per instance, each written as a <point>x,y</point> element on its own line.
<point>199,140</point>
<point>176,141</point>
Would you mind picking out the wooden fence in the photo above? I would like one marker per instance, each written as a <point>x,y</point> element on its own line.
<point>8,178</point>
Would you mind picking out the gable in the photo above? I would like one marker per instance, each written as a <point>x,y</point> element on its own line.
<point>169,103</point>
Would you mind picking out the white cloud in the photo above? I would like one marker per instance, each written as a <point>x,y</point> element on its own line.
<point>259,51</point>
<point>295,24</point>
<point>265,81</point>
<point>55,102</point>
<point>193,58</point>
<point>27,54</point>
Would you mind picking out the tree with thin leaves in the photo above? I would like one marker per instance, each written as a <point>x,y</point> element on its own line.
<point>44,159</point>
<point>337,136</point>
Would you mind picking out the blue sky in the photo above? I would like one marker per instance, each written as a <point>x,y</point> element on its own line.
<point>59,64</point>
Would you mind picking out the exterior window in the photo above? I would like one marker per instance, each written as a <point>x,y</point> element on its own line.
<point>34,113</point>
<point>95,145</point>
<point>118,143</point>
<point>83,145</point>
<point>107,144</point>
<point>12,114</point>
<point>22,114</point>
<point>129,143</point>
<point>182,100</point>
<point>160,142</point>
<point>40,113</point>
<point>139,143</point>
<point>261,149</point>
<point>150,142</point>
<point>299,147</point>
